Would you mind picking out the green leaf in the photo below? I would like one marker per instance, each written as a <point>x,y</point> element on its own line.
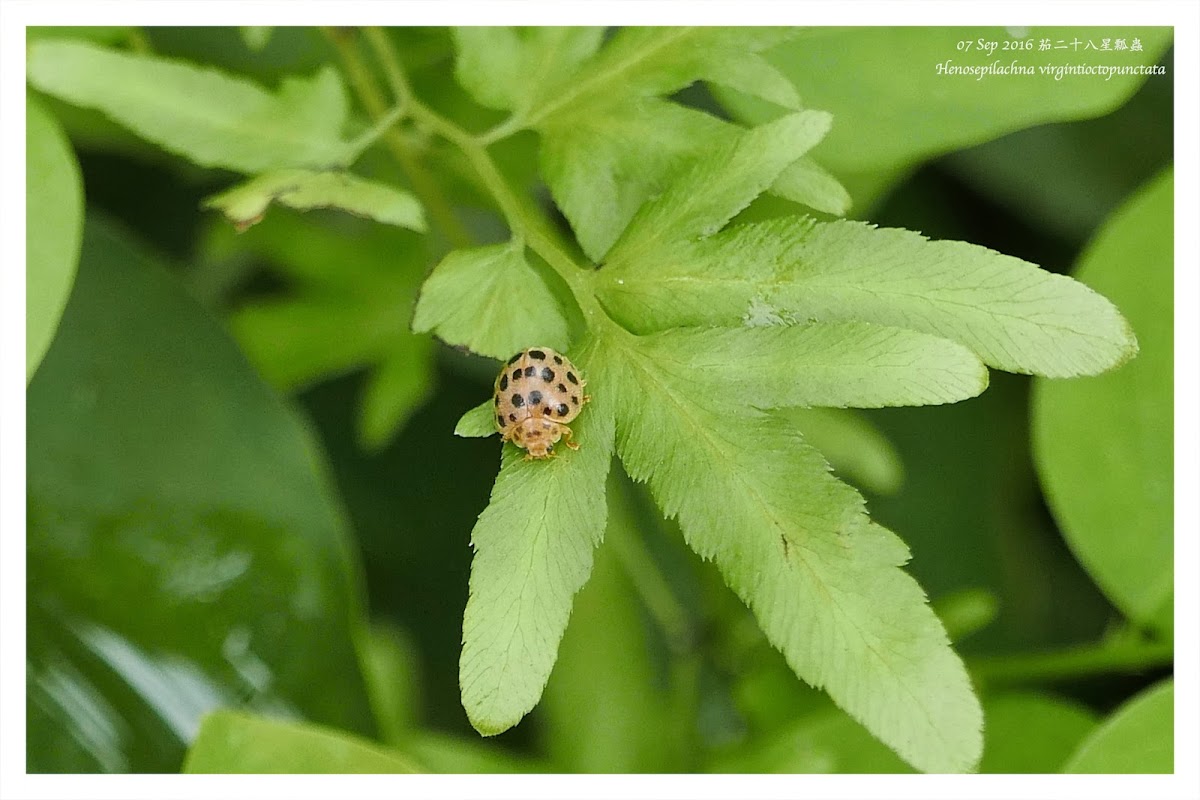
<point>796,545</point>
<point>479,422</point>
<point>1137,739</point>
<point>602,168</point>
<point>519,68</point>
<point>893,108</point>
<point>232,742</point>
<point>1013,315</point>
<point>185,550</point>
<point>205,116</point>
<point>852,445</point>
<point>712,192</point>
<point>1104,446</point>
<point>53,229</point>
<point>656,61</point>
<point>1032,733</point>
<point>533,551</point>
<point>807,182</point>
<point>304,189</point>
<point>491,301</point>
<point>608,142</point>
<point>823,364</point>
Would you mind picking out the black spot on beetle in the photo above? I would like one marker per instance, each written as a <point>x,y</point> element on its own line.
<point>516,374</point>
<point>497,399</point>
<point>529,371</point>
<point>535,397</point>
<point>514,359</point>
<point>503,382</point>
<point>574,399</point>
<point>561,388</point>
<point>535,434</point>
<point>511,418</point>
<point>518,401</point>
<point>538,354</point>
<point>562,409</point>
<point>547,375</point>
<point>557,360</point>
<point>571,377</point>
<point>500,420</point>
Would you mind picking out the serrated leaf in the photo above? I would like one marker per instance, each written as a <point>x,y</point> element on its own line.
<point>1014,315</point>
<point>807,182</point>
<point>53,229</point>
<point>533,551</point>
<point>602,168</point>
<point>855,448</point>
<point>491,301</point>
<point>518,68</point>
<point>1104,446</point>
<point>208,117</point>
<point>479,422</point>
<point>796,545</point>
<point>714,190</point>
<point>302,189</point>
<point>656,61</point>
<point>234,742</point>
<point>822,364</point>
<point>1139,738</point>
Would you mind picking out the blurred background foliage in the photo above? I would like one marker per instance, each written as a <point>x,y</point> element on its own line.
<point>244,492</point>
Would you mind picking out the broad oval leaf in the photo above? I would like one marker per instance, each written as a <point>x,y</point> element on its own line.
<point>491,301</point>
<point>304,189</point>
<point>533,551</point>
<point>1014,315</point>
<point>796,545</point>
<point>1139,737</point>
<point>233,742</point>
<point>185,549</point>
<point>895,106</point>
<point>1105,445</point>
<point>199,113</point>
<point>53,229</point>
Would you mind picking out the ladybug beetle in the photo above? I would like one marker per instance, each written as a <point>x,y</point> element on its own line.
<point>536,394</point>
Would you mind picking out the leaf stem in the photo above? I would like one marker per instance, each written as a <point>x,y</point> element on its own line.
<point>1070,663</point>
<point>371,96</point>
<point>524,221</point>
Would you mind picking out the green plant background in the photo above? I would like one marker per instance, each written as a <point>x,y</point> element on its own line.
<point>217,521</point>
